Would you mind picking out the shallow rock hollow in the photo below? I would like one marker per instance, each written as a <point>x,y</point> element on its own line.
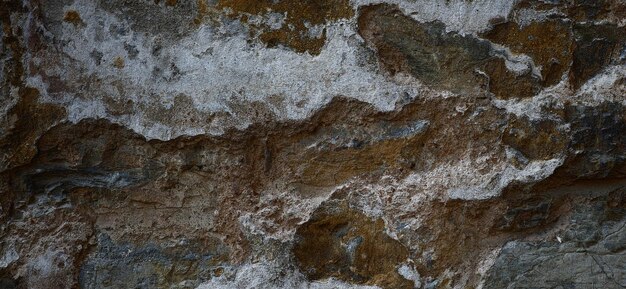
<point>432,144</point>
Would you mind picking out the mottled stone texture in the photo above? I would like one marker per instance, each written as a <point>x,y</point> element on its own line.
<point>431,144</point>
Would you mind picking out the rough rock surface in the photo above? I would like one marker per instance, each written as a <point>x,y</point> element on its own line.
<point>313,144</point>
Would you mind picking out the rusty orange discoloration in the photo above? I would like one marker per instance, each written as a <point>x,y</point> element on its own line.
<point>343,243</point>
<point>548,43</point>
<point>335,167</point>
<point>203,9</point>
<point>300,16</point>
<point>439,59</point>
<point>118,62</point>
<point>72,16</point>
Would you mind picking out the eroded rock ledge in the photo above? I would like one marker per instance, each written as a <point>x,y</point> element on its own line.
<point>313,144</point>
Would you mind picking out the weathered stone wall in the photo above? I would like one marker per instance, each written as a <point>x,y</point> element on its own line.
<point>313,144</point>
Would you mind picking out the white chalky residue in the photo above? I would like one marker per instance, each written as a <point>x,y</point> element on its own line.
<point>599,89</point>
<point>48,263</point>
<point>463,179</point>
<point>263,276</point>
<point>220,71</point>
<point>525,17</point>
<point>491,184</point>
<point>485,264</point>
<point>409,273</point>
<point>9,255</point>
<point>294,207</point>
<point>602,87</point>
<point>465,17</point>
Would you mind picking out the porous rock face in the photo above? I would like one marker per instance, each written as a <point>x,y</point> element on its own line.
<point>313,144</point>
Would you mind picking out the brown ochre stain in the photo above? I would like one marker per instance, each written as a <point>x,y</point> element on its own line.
<point>559,49</point>
<point>440,59</point>
<point>300,16</point>
<point>72,16</point>
<point>577,42</point>
<point>548,43</point>
<point>335,167</point>
<point>343,243</point>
